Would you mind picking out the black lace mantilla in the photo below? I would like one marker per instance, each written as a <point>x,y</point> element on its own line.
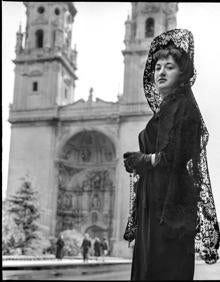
<point>207,236</point>
<point>181,38</point>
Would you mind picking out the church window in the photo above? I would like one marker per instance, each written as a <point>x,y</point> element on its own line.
<point>149,27</point>
<point>57,11</point>
<point>35,86</point>
<point>40,10</point>
<point>39,38</point>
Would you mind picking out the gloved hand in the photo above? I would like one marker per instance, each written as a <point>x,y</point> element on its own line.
<point>127,162</point>
<point>136,161</point>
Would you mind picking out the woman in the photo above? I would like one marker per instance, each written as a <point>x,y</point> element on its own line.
<point>85,246</point>
<point>175,210</point>
<point>97,247</point>
<point>60,245</point>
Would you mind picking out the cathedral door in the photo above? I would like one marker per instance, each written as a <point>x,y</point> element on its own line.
<point>86,185</point>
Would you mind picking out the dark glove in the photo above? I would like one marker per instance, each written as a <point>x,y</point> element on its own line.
<point>136,161</point>
<point>128,154</point>
<point>127,162</point>
<point>128,166</point>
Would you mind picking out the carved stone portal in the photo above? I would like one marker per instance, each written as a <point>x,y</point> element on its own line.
<point>86,176</point>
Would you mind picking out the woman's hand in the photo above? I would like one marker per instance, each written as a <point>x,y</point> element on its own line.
<point>136,161</point>
<point>128,166</point>
<point>127,162</point>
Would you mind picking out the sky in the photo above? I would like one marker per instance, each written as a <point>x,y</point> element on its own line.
<point>98,32</point>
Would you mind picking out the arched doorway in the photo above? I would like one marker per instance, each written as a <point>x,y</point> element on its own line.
<point>86,184</point>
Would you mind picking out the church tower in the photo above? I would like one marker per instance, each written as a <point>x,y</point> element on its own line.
<point>45,67</point>
<point>45,64</point>
<point>148,19</point>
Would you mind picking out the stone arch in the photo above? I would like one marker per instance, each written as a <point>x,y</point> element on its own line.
<point>71,133</point>
<point>86,183</point>
<point>88,146</point>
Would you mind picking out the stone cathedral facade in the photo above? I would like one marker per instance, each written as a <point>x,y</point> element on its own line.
<point>73,150</point>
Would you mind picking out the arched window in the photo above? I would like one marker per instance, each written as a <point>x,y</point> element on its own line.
<point>149,27</point>
<point>39,38</point>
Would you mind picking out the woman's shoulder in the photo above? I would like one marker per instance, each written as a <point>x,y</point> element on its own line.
<point>187,109</point>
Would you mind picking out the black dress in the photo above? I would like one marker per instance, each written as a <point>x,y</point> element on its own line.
<point>59,250</point>
<point>166,251</point>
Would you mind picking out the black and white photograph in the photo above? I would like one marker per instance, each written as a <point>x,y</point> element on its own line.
<point>110,141</point>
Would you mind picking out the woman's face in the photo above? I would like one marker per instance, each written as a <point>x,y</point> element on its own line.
<point>166,74</point>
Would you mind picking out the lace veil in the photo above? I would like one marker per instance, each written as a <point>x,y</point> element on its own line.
<point>207,231</point>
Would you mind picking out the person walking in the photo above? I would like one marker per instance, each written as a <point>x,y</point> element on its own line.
<point>59,247</point>
<point>104,248</point>
<point>86,245</point>
<point>97,247</point>
<point>175,210</point>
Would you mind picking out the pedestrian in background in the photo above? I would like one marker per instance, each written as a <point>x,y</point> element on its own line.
<point>104,248</point>
<point>97,247</point>
<point>59,247</point>
<point>86,245</point>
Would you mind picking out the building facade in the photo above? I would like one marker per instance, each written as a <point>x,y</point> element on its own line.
<point>73,150</point>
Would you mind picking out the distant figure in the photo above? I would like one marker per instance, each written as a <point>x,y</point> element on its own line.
<point>97,247</point>
<point>104,248</point>
<point>59,250</point>
<point>86,245</point>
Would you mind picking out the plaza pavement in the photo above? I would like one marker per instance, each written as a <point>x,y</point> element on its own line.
<point>59,263</point>
<point>203,271</point>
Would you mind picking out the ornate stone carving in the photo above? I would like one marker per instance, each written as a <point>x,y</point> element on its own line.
<point>94,217</point>
<point>83,192</point>
<point>108,154</point>
<point>95,203</point>
<point>170,8</point>
<point>106,219</point>
<point>67,80</point>
<point>40,20</point>
<point>35,73</point>
<point>85,147</point>
<point>98,180</point>
<point>85,155</point>
<point>149,7</point>
<point>65,174</point>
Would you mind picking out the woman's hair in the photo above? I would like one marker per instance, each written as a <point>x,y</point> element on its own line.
<point>180,57</point>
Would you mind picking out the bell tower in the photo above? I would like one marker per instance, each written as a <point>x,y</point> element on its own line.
<point>45,64</point>
<point>45,78</point>
<point>148,19</point>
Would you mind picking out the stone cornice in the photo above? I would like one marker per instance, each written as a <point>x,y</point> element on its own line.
<point>87,165</point>
<point>49,114</point>
<point>111,113</point>
<point>57,57</point>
